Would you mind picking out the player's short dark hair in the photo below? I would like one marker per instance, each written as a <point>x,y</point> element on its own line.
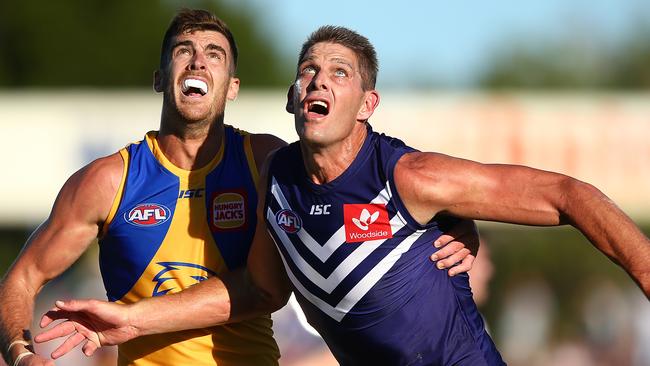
<point>192,20</point>
<point>361,46</point>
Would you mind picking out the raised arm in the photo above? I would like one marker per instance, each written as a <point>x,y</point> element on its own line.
<point>75,220</point>
<point>434,183</point>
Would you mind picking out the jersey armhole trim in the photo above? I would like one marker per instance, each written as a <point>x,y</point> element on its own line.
<point>252,166</point>
<point>397,200</point>
<point>118,196</point>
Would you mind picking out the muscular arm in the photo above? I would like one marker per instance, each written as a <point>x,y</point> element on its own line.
<point>79,210</point>
<point>230,297</point>
<point>433,183</point>
<point>261,288</point>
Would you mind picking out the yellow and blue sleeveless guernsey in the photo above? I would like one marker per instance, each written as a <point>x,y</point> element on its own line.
<point>171,228</point>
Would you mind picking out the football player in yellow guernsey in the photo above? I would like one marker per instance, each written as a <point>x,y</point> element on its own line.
<point>169,211</point>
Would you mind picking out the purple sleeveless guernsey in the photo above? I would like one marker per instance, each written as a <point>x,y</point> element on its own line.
<point>359,265</point>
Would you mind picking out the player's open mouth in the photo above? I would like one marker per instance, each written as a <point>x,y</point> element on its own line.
<point>194,87</point>
<point>318,108</point>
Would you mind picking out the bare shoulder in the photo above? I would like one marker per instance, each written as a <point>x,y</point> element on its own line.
<point>80,208</point>
<point>263,145</point>
<point>414,167</point>
<point>102,174</point>
<point>426,181</point>
<point>418,160</point>
<point>107,169</point>
<point>90,191</point>
<point>436,166</point>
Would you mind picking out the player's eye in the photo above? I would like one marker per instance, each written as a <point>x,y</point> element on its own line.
<point>308,70</point>
<point>183,51</point>
<point>340,73</point>
<point>215,55</point>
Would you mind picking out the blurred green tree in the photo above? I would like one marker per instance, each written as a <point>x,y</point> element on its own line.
<point>632,60</point>
<point>574,60</point>
<point>76,43</point>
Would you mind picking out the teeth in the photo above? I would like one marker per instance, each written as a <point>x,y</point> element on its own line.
<point>195,83</point>
<point>318,102</point>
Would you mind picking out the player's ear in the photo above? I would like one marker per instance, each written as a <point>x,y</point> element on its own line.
<point>157,81</point>
<point>233,88</point>
<point>290,94</point>
<point>370,102</point>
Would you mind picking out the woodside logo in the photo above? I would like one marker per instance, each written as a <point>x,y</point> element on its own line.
<point>366,222</point>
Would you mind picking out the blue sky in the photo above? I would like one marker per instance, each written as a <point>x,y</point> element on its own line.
<point>447,41</point>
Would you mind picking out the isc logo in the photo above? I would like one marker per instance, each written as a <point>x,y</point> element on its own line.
<point>320,209</point>
<point>147,214</point>
<point>191,193</point>
<point>288,221</point>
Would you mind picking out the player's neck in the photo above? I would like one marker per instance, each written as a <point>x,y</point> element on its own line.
<point>323,164</point>
<point>192,146</point>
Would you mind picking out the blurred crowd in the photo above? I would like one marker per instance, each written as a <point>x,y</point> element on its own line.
<point>614,325</point>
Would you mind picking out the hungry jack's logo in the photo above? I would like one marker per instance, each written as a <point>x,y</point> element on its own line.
<point>366,222</point>
<point>228,210</point>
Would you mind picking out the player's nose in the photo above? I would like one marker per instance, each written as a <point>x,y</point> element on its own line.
<point>319,81</point>
<point>197,62</point>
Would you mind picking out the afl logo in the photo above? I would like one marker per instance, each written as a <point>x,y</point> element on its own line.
<point>147,214</point>
<point>288,221</point>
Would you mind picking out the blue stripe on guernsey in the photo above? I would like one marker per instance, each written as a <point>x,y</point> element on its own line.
<point>127,251</point>
<point>172,228</point>
<point>231,202</point>
<point>361,272</point>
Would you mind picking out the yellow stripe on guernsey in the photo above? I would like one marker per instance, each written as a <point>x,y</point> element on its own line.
<point>188,238</point>
<point>169,221</point>
<point>250,157</point>
<point>118,197</point>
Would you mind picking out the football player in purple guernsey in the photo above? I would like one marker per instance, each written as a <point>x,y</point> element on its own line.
<point>350,213</point>
<point>176,209</point>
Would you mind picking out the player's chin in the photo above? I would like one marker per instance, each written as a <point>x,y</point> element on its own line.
<point>316,137</point>
<point>196,113</point>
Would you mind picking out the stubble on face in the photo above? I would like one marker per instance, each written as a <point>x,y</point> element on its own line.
<point>195,61</point>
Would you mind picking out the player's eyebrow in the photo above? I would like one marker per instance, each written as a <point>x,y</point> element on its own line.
<point>337,60</point>
<point>305,59</point>
<point>343,61</point>
<point>209,47</point>
<point>216,47</point>
<point>186,42</point>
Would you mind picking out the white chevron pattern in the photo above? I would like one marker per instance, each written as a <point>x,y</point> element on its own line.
<point>323,252</point>
<point>362,251</point>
